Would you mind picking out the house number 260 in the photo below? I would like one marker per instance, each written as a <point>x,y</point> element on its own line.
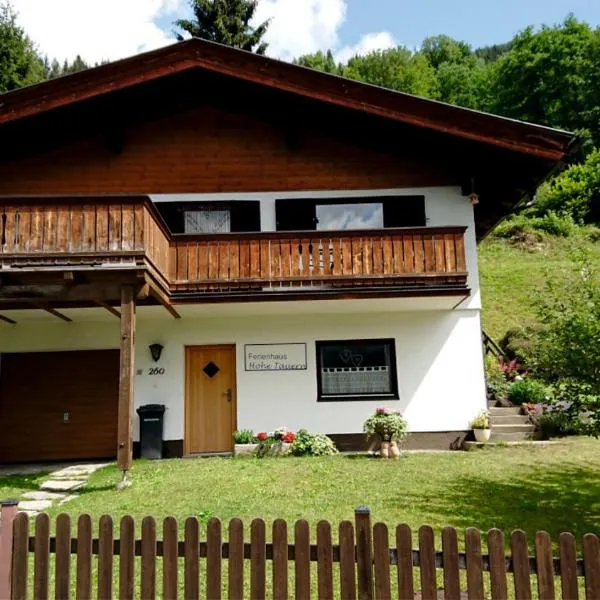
<point>156,371</point>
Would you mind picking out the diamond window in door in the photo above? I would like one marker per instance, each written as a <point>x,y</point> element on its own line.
<point>211,369</point>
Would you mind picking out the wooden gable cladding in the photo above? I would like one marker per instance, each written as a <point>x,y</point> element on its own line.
<point>214,150</point>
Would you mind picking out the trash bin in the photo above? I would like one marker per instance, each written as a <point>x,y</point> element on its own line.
<point>151,430</point>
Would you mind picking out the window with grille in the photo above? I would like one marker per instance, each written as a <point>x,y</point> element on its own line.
<point>357,370</point>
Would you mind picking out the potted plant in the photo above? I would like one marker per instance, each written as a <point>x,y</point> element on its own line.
<point>481,426</point>
<point>245,442</point>
<point>389,426</point>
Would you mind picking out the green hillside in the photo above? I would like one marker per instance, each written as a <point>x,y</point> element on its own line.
<point>509,274</point>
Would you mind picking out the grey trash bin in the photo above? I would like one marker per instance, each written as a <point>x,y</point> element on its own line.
<point>151,430</point>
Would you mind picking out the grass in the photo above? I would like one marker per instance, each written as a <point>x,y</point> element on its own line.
<point>13,486</point>
<point>509,275</point>
<point>554,488</point>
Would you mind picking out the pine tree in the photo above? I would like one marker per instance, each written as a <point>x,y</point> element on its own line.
<point>19,62</point>
<point>226,22</point>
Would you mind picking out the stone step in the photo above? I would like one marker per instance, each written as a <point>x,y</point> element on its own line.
<point>510,419</point>
<point>501,410</point>
<point>34,505</point>
<point>522,427</point>
<point>41,495</point>
<point>510,437</point>
<point>61,485</point>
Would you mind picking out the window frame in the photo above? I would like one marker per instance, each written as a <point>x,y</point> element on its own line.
<point>393,395</point>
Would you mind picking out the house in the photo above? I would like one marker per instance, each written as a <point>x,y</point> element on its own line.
<point>249,243</point>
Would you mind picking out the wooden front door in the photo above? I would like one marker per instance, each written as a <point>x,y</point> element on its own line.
<point>210,407</point>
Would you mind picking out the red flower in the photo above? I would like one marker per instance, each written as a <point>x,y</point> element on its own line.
<point>289,437</point>
<point>262,436</point>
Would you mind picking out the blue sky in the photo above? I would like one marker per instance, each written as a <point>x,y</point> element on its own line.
<point>479,22</point>
<point>61,28</point>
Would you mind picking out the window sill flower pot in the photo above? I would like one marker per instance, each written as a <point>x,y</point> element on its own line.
<point>482,435</point>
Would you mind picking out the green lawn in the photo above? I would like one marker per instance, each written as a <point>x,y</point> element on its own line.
<point>509,275</point>
<point>13,486</point>
<point>554,488</point>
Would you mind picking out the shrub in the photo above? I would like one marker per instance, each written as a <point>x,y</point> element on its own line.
<point>556,424</point>
<point>517,344</point>
<point>386,423</point>
<point>521,228</point>
<point>244,436</point>
<point>312,444</point>
<point>528,391</point>
<point>497,385</point>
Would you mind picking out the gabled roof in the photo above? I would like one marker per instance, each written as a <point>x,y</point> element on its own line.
<point>543,142</point>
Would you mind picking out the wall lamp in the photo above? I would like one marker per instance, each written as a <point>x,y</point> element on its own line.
<point>156,351</point>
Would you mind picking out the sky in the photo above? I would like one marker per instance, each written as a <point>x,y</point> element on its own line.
<point>114,29</point>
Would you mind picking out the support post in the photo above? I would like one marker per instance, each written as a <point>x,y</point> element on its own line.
<point>8,512</point>
<point>364,552</point>
<point>126,380</point>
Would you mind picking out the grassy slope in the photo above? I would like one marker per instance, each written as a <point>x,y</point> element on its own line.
<point>509,275</point>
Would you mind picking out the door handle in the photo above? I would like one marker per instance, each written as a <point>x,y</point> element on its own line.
<point>228,394</point>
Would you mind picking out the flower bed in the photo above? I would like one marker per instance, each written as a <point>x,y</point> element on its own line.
<point>282,442</point>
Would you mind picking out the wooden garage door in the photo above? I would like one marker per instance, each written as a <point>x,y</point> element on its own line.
<point>59,405</point>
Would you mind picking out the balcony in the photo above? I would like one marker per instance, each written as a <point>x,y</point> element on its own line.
<point>48,246</point>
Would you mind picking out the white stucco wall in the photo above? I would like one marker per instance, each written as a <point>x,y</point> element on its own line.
<point>438,353</point>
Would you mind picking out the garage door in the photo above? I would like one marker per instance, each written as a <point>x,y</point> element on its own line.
<point>59,405</point>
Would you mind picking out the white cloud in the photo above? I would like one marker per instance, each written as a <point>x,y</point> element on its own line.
<point>114,29</point>
<point>301,26</point>
<point>110,29</point>
<point>367,43</point>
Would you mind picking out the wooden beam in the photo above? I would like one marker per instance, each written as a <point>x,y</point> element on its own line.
<point>54,312</point>
<point>111,309</point>
<point>7,320</point>
<point>162,298</point>
<point>57,293</point>
<point>126,379</point>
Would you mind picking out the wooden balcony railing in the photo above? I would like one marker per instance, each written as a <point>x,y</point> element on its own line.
<point>128,232</point>
<point>88,232</point>
<point>416,256</point>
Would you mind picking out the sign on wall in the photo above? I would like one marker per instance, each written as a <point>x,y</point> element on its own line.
<point>275,357</point>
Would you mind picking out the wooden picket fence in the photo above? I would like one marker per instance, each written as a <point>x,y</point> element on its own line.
<point>362,565</point>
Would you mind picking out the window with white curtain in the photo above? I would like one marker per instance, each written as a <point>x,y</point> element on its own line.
<point>207,220</point>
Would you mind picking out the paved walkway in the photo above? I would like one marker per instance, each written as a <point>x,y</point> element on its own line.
<point>60,487</point>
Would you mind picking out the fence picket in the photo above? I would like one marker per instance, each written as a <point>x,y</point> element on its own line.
<point>427,563</point>
<point>591,561</point>
<point>545,566</point>
<point>41,557</point>
<point>280,560</point>
<point>568,566</point>
<point>20,557</point>
<point>302,559</point>
<point>236,559</point>
<point>105,557</point>
<point>474,564</point>
<point>405,563</point>
<point>497,564</point>
<point>126,558</point>
<point>213,559</point>
<point>83,584</point>
<point>170,558</point>
<point>381,556</point>
<point>347,561</point>
<point>191,564</point>
<point>257,559</point>
<point>364,553</point>
<point>148,562</point>
<point>520,562</point>
<point>450,561</point>
<point>324,561</point>
<point>62,576</point>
